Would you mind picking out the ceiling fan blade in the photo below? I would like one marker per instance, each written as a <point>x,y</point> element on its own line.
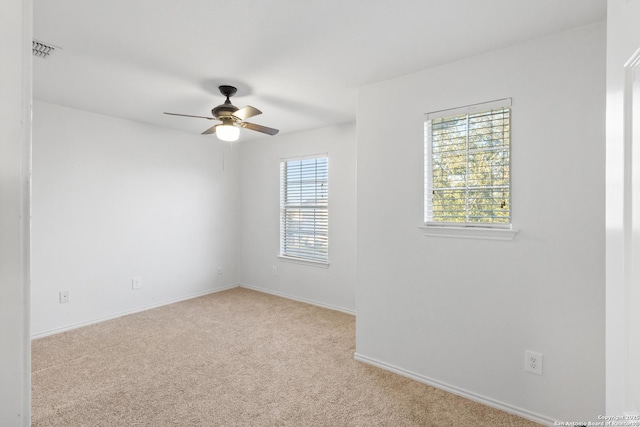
<point>188,115</point>
<point>211,130</point>
<point>246,112</point>
<point>259,128</point>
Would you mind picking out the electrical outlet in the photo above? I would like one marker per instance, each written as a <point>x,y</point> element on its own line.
<point>64,297</point>
<point>220,269</point>
<point>274,270</point>
<point>533,362</point>
<point>136,283</point>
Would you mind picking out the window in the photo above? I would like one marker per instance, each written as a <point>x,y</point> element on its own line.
<point>304,214</point>
<point>467,166</point>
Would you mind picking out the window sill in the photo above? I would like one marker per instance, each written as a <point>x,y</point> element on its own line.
<point>321,264</point>
<point>485,233</point>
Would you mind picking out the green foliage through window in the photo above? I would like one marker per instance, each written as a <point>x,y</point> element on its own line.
<point>467,168</point>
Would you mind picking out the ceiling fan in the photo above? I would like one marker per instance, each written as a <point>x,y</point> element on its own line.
<point>232,118</point>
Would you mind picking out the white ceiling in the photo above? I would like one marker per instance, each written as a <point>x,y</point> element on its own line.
<point>300,62</point>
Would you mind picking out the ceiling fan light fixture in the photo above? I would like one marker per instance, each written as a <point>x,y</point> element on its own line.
<point>228,132</point>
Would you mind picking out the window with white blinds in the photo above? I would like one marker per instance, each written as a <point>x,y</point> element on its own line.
<point>304,214</point>
<point>467,166</point>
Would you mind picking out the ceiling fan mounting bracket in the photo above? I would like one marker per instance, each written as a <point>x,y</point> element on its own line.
<point>227,91</point>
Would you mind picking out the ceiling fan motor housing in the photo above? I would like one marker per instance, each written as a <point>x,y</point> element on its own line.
<point>224,110</point>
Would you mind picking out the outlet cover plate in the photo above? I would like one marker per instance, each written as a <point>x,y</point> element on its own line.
<point>64,297</point>
<point>136,283</point>
<point>533,362</point>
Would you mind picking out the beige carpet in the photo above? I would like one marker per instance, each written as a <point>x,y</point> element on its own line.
<point>235,358</point>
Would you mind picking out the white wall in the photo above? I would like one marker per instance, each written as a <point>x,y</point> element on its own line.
<point>15,135</point>
<point>260,209</point>
<point>459,312</point>
<point>115,199</point>
<point>623,212</point>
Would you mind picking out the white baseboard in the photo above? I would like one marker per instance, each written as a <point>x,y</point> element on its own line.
<point>126,313</point>
<point>458,391</point>
<point>296,298</point>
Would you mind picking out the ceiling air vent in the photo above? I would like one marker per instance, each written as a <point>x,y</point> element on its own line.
<point>41,50</point>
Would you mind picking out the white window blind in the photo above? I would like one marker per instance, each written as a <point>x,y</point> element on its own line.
<point>304,215</point>
<point>467,166</point>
